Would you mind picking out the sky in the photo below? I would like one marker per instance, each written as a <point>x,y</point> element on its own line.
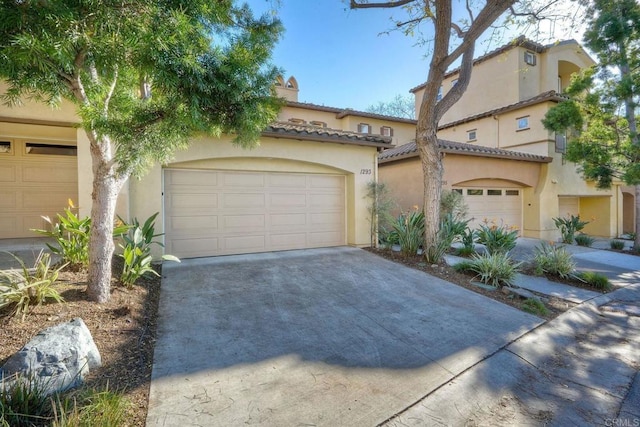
<point>343,58</point>
<point>338,56</point>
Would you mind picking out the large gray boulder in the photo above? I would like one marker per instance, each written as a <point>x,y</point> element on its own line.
<point>56,359</point>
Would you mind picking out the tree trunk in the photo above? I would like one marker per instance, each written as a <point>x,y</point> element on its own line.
<point>432,170</point>
<point>636,240</point>
<point>101,246</point>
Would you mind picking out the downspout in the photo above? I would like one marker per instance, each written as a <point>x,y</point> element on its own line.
<point>497,119</point>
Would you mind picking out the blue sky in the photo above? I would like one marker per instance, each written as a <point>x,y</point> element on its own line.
<point>339,56</point>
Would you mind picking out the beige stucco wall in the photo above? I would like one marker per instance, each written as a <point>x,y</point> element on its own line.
<point>402,132</point>
<point>404,177</point>
<point>273,155</point>
<point>500,131</point>
<point>32,110</point>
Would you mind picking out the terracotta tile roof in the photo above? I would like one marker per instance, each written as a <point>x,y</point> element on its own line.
<point>344,112</point>
<point>521,41</point>
<point>322,134</point>
<point>410,150</point>
<point>551,95</point>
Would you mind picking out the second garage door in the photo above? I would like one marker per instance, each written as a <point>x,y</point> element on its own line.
<point>212,212</point>
<point>500,206</point>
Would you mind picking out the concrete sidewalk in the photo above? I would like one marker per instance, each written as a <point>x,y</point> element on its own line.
<point>578,369</point>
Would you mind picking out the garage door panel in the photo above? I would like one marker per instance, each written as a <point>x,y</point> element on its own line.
<point>50,200</point>
<point>288,240</point>
<point>258,212</point>
<point>335,201</point>
<point>252,221</point>
<point>193,201</point>
<point>193,179</point>
<point>8,173</point>
<point>288,220</point>
<point>8,199</point>
<point>199,223</point>
<point>242,200</point>
<point>193,247</point>
<point>240,179</point>
<point>48,174</point>
<point>329,181</point>
<point>287,201</point>
<point>244,243</point>
<point>495,206</point>
<point>287,181</point>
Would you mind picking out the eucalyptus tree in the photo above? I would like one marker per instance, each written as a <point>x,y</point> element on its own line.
<point>452,38</point>
<point>600,117</point>
<point>144,77</point>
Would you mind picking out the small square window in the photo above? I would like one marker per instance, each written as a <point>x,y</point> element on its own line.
<point>439,97</point>
<point>530,58</point>
<point>471,192</point>
<point>454,82</point>
<point>494,192</point>
<point>364,128</point>
<point>512,192</point>
<point>297,121</point>
<point>319,124</point>
<point>472,135</point>
<point>386,131</point>
<point>457,190</point>
<point>523,123</point>
<point>5,147</point>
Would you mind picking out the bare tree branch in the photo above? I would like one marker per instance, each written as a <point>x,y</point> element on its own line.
<point>387,4</point>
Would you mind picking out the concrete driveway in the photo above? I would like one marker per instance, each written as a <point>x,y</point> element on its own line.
<point>316,337</point>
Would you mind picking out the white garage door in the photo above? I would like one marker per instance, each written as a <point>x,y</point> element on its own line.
<point>36,178</point>
<point>211,212</point>
<point>500,206</point>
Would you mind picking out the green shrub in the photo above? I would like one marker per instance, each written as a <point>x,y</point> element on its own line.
<point>492,269</point>
<point>617,244</point>
<point>554,260</point>
<point>71,234</point>
<point>468,239</point>
<point>136,251</point>
<point>584,240</point>
<point>535,306</point>
<point>569,227</point>
<point>451,228</point>
<point>497,239</point>
<point>452,203</point>
<point>596,280</point>
<point>409,228</point>
<point>25,288</point>
<point>91,408</point>
<point>24,401</point>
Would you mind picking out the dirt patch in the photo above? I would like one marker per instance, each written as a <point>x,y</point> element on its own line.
<point>124,330</point>
<point>443,271</point>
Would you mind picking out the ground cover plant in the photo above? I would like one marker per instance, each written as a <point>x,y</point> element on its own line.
<point>124,331</point>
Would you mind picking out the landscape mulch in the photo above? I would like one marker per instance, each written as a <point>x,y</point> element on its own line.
<point>124,330</point>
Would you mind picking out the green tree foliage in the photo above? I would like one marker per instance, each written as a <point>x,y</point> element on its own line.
<point>600,116</point>
<point>144,77</point>
<point>400,106</point>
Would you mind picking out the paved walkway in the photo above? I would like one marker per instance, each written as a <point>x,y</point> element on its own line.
<point>578,369</point>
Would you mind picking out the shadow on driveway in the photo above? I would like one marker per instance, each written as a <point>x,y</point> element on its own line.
<point>333,336</point>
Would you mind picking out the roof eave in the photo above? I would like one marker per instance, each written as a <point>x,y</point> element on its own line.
<point>325,138</point>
